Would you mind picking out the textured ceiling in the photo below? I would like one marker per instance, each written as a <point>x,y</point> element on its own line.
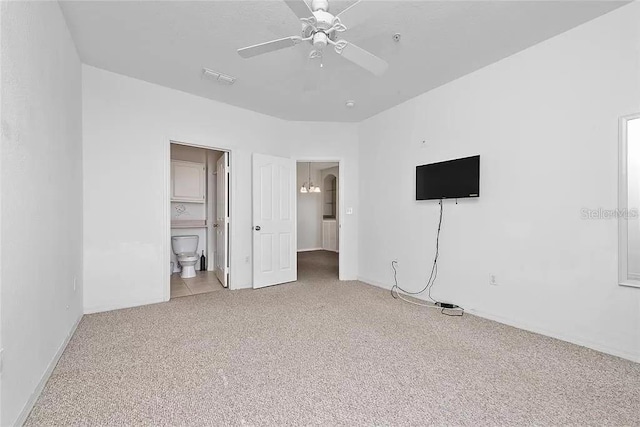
<point>168,43</point>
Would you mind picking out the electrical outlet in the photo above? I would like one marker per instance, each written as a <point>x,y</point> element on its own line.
<point>246,260</point>
<point>492,280</point>
<point>349,211</point>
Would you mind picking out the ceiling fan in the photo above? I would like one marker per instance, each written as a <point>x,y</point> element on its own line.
<point>320,28</point>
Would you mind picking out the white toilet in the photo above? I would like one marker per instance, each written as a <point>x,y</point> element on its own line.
<point>186,250</point>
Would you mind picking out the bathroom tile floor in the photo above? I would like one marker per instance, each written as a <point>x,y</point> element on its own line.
<point>205,281</point>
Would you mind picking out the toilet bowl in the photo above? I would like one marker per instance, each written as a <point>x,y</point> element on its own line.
<point>186,250</point>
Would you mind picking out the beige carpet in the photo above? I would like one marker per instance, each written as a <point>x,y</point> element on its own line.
<point>325,352</point>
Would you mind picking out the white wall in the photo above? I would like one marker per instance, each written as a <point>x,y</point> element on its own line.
<point>309,210</point>
<point>126,123</point>
<point>41,212</point>
<point>545,124</point>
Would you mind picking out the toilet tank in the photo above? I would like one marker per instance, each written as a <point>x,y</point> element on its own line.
<point>184,244</point>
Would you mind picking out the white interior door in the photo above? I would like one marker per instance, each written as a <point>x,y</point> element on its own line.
<point>222,220</point>
<point>274,221</point>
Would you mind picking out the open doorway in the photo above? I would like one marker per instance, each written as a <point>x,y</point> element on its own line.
<point>318,219</point>
<point>199,220</point>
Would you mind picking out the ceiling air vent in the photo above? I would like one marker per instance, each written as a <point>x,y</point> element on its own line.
<point>223,79</point>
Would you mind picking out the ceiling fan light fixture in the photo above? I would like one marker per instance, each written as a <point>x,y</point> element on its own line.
<point>350,103</point>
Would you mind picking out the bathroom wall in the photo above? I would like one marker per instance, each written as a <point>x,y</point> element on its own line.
<point>41,187</point>
<point>188,153</point>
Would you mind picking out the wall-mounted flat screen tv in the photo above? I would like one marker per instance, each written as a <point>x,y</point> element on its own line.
<point>453,179</point>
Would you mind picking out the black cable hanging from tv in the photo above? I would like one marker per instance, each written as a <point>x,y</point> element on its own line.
<point>432,277</point>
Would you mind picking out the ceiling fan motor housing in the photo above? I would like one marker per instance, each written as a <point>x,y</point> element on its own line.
<point>324,22</point>
<point>317,5</point>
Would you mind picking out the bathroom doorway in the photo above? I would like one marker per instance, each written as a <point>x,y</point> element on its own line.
<point>199,220</point>
<point>318,220</point>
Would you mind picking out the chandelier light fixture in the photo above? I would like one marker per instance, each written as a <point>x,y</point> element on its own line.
<point>308,186</point>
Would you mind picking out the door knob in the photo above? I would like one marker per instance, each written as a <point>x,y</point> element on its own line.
<point>257,228</point>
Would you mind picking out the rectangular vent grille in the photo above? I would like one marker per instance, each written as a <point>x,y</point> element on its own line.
<point>223,79</point>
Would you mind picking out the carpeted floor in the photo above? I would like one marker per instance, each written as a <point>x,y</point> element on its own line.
<point>325,352</point>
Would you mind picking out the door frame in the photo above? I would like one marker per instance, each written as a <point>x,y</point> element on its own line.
<point>340,162</point>
<point>166,229</point>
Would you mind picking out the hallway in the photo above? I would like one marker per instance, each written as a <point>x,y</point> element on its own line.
<point>317,265</point>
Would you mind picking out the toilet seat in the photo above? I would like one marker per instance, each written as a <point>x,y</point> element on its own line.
<point>187,257</point>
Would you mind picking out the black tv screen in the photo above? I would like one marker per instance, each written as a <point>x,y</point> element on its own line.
<point>453,179</point>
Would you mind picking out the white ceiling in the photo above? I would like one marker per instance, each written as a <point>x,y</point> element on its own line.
<point>169,42</point>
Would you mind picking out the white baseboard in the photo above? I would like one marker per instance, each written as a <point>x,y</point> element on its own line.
<point>26,410</point>
<point>373,283</point>
<point>533,328</point>
<point>557,335</point>
<point>111,307</point>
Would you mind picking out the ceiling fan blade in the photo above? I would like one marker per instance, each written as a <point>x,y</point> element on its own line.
<point>359,12</point>
<point>259,49</point>
<point>363,58</point>
<point>300,8</point>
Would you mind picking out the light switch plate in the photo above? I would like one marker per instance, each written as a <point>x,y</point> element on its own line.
<point>349,211</point>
